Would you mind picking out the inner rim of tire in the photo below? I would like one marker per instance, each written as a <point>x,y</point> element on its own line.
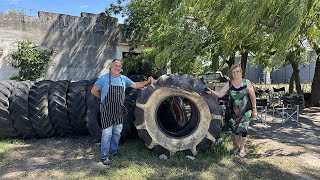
<point>177,116</point>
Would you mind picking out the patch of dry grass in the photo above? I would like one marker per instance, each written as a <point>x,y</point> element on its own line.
<point>78,158</point>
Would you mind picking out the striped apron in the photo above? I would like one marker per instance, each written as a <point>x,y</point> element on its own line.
<point>112,106</point>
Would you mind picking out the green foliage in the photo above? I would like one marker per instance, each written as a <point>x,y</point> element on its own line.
<point>284,32</point>
<point>16,12</point>
<point>190,34</point>
<point>178,40</point>
<point>139,64</point>
<point>31,60</point>
<point>312,26</point>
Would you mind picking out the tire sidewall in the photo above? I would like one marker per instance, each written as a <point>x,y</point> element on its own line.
<point>152,126</point>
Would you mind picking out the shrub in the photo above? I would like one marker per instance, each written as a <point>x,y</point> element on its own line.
<point>31,60</point>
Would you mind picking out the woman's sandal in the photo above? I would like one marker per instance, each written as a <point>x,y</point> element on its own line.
<point>242,154</point>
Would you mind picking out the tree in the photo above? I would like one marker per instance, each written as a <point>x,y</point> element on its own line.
<point>284,31</point>
<point>175,32</point>
<point>192,33</point>
<point>296,56</point>
<point>313,36</point>
<point>140,64</point>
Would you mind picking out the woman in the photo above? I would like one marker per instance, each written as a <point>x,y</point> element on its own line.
<point>241,106</point>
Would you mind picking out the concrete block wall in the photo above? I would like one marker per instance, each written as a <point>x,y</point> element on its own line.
<point>82,46</point>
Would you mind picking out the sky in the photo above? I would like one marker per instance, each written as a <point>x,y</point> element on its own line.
<point>70,7</point>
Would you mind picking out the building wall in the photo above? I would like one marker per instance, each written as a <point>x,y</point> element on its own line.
<point>82,46</point>
<point>283,74</point>
<point>254,74</point>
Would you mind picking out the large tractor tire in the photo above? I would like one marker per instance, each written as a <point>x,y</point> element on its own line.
<point>19,109</point>
<point>58,109</point>
<point>6,124</point>
<point>38,109</point>
<point>77,107</point>
<point>167,126</point>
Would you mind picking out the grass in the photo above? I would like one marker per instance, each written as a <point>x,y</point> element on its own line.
<point>6,146</point>
<point>82,160</point>
<point>141,163</point>
<point>78,158</point>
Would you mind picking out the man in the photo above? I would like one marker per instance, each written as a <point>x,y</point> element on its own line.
<point>111,88</point>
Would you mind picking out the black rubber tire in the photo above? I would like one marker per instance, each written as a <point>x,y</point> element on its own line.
<point>58,110</point>
<point>129,131</point>
<point>6,124</point>
<point>38,109</point>
<point>77,107</point>
<point>205,123</point>
<point>93,112</point>
<point>134,93</point>
<point>19,109</point>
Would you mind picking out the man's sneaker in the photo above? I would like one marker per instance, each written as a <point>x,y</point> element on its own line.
<point>106,161</point>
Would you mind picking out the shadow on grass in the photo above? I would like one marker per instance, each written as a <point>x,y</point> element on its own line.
<point>78,157</point>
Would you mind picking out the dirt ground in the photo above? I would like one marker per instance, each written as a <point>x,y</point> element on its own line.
<point>291,147</point>
<point>289,150</point>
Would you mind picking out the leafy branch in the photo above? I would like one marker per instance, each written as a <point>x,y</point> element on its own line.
<point>31,60</point>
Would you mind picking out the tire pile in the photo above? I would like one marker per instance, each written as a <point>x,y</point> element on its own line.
<point>172,114</point>
<point>54,108</point>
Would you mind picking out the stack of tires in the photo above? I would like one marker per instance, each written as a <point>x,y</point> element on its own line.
<point>52,108</point>
<point>172,114</point>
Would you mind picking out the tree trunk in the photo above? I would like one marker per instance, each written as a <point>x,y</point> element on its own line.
<point>315,88</point>
<point>296,77</point>
<point>231,61</point>
<point>291,83</point>
<point>244,59</point>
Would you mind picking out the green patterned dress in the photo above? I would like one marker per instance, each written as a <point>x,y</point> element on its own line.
<point>239,108</point>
